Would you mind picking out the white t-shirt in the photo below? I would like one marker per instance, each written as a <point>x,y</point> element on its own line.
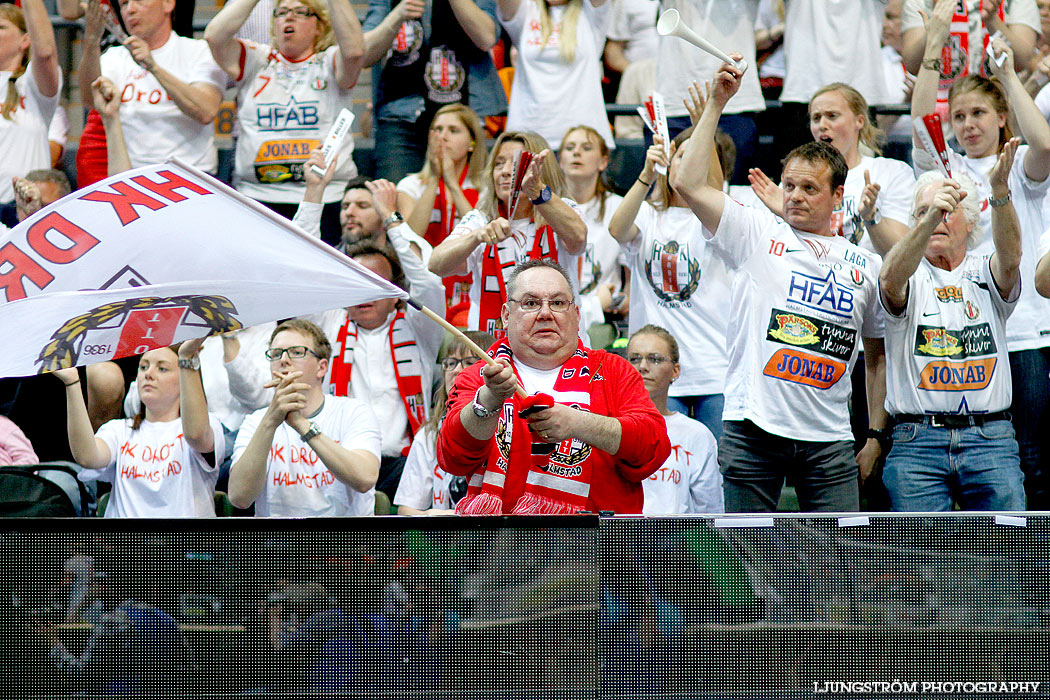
<point>285,110</point>
<point>634,22</point>
<point>1029,325</point>
<point>298,484</point>
<point>601,260</point>
<point>801,305</point>
<point>549,96</point>
<point>895,72</point>
<point>224,383</point>
<point>833,40</point>
<point>689,481</point>
<point>155,129</point>
<point>946,352</point>
<point>680,283</point>
<point>729,25</point>
<point>424,485</point>
<point>896,184</point>
<point>1017,12</point>
<point>23,138</point>
<point>154,473</point>
<point>510,254</point>
<point>768,17</point>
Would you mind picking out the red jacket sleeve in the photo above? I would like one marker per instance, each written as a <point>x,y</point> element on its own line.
<point>644,445</point>
<point>458,452</point>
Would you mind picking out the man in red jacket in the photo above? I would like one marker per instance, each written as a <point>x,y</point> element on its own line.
<point>584,439</point>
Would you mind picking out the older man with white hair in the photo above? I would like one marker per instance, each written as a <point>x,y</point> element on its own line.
<point>947,371</point>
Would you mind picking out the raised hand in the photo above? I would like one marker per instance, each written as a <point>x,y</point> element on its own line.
<point>999,176</point>
<point>105,97</point>
<point>766,190</point>
<point>869,197</point>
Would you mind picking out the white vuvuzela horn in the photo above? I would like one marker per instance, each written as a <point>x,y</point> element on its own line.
<point>671,24</point>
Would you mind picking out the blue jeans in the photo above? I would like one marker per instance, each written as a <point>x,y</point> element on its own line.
<point>400,147</point>
<point>706,408</point>
<point>754,464</point>
<point>928,468</point>
<point>1031,419</point>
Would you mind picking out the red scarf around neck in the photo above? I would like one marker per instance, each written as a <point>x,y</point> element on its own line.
<point>457,287</point>
<point>558,482</point>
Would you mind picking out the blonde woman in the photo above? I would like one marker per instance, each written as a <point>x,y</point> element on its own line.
<point>288,96</point>
<point>31,78</point>
<point>838,115</point>
<point>438,196</point>
<point>491,239</point>
<point>557,80</point>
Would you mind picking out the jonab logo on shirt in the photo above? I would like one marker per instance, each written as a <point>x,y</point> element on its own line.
<point>797,367</point>
<point>821,294</point>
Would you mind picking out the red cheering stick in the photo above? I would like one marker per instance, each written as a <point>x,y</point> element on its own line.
<point>646,112</point>
<point>931,136</point>
<point>522,159</point>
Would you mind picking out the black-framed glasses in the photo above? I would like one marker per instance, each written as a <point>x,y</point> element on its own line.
<point>652,358</point>
<point>532,305</point>
<point>296,352</point>
<point>299,12</point>
<point>450,364</point>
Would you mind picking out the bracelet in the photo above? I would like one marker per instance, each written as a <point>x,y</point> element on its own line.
<point>72,383</point>
<point>1002,201</point>
<point>932,64</point>
<point>647,184</point>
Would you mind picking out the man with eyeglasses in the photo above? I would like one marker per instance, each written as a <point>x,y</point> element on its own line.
<point>585,438</point>
<point>170,87</point>
<point>306,454</point>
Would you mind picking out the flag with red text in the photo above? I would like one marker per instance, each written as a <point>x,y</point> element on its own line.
<point>154,256</point>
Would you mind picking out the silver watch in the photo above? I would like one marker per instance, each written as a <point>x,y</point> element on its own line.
<point>310,434</point>
<point>479,408</point>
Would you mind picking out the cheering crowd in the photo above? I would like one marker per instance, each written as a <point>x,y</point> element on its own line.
<point>869,331</point>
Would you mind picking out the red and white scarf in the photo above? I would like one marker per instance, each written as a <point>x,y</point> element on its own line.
<point>457,287</point>
<point>493,282</point>
<point>405,355</point>
<point>955,56</point>
<point>558,480</point>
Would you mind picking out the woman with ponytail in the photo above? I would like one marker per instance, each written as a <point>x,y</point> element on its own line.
<point>30,80</point>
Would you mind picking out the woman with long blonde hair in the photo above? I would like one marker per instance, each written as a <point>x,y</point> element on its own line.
<point>499,233</point>
<point>438,196</point>
<point>31,80</point>
<point>557,79</point>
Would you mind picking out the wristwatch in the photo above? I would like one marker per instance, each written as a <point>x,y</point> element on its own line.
<point>875,220</point>
<point>193,363</point>
<point>932,64</point>
<point>479,408</point>
<point>395,219</point>
<point>545,196</point>
<point>883,435</point>
<point>310,434</point>
<point>1001,201</point>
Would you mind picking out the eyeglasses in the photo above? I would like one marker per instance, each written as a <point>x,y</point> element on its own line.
<point>299,12</point>
<point>296,352</point>
<point>532,305</point>
<point>453,363</point>
<point>651,358</point>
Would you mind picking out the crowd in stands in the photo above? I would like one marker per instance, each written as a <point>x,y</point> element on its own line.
<point>802,309</point>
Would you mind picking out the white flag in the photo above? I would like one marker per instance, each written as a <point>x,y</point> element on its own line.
<point>154,256</point>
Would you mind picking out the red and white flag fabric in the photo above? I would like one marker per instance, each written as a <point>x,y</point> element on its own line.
<point>154,256</point>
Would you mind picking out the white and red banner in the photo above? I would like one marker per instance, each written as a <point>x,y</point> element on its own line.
<point>154,256</point>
